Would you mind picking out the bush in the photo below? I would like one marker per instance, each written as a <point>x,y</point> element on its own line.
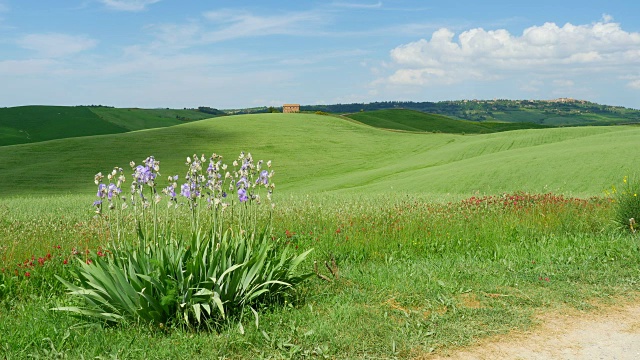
<point>627,203</point>
<point>164,274</point>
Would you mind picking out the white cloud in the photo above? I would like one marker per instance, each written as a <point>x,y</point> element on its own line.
<point>481,55</point>
<point>53,45</point>
<point>634,84</point>
<point>128,5</point>
<point>234,24</point>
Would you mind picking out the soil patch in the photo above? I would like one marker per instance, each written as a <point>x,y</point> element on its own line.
<point>612,333</point>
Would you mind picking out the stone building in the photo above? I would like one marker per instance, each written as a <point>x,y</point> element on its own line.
<point>291,108</point>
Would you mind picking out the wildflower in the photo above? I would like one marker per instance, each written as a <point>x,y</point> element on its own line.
<point>101,190</point>
<point>185,190</point>
<point>27,274</point>
<point>242,195</point>
<point>112,189</point>
<point>264,178</point>
<point>98,178</point>
<point>242,183</point>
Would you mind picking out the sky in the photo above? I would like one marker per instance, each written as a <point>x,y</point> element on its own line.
<point>239,54</point>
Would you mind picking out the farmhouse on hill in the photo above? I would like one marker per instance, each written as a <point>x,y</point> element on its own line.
<point>291,108</point>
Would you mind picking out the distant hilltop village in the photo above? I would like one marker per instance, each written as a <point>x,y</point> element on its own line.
<point>558,100</point>
<point>567,100</point>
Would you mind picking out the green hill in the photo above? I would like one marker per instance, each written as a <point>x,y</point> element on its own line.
<point>413,120</point>
<point>28,124</point>
<point>315,154</point>
<point>139,119</point>
<point>558,112</point>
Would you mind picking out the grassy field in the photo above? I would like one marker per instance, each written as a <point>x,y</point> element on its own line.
<point>411,120</point>
<point>552,113</point>
<point>439,239</point>
<point>30,124</point>
<point>329,154</point>
<point>140,119</point>
<point>27,124</point>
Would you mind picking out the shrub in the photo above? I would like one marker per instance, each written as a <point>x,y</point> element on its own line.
<point>164,274</point>
<point>627,203</point>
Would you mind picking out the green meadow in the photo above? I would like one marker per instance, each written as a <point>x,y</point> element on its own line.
<point>412,120</point>
<point>30,124</point>
<point>439,239</point>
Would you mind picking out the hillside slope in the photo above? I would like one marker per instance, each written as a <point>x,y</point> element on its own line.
<point>29,124</point>
<point>25,124</point>
<point>558,112</point>
<point>413,120</point>
<point>314,154</point>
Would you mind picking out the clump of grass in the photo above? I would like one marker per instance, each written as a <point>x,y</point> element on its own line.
<point>626,201</point>
<point>164,272</point>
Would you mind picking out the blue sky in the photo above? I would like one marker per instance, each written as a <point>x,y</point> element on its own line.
<point>233,54</point>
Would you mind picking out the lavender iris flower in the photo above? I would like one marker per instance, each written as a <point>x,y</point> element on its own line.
<point>242,195</point>
<point>264,178</point>
<point>185,190</point>
<point>111,190</point>
<point>242,183</point>
<point>101,189</point>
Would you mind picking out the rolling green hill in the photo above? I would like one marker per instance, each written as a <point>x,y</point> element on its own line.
<point>28,124</point>
<point>139,119</point>
<point>413,120</point>
<point>558,112</point>
<point>314,154</point>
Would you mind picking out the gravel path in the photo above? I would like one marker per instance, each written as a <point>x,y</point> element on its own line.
<point>613,334</point>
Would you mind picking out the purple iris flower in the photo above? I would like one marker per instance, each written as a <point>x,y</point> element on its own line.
<point>171,191</point>
<point>101,189</point>
<point>242,195</point>
<point>264,178</point>
<point>144,174</point>
<point>242,183</point>
<point>111,190</point>
<point>185,190</point>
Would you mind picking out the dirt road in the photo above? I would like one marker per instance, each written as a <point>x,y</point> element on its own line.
<point>611,334</point>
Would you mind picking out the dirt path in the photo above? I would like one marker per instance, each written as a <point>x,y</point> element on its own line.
<point>610,334</point>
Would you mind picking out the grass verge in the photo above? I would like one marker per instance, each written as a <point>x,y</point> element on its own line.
<point>414,276</point>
